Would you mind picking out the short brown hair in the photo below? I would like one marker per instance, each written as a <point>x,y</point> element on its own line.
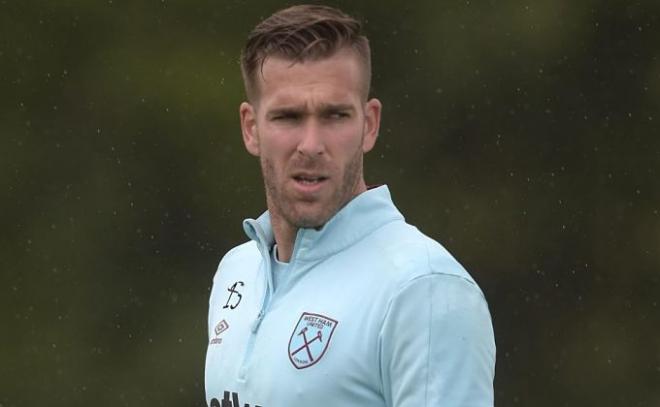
<point>301,33</point>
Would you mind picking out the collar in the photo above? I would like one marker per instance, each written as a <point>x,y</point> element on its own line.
<point>359,217</point>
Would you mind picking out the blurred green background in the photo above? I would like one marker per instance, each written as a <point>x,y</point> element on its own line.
<point>523,135</point>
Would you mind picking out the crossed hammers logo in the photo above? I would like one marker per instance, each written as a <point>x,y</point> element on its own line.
<point>306,343</point>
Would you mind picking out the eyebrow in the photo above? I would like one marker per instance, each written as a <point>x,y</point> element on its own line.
<point>285,111</point>
<point>328,107</point>
<point>323,108</point>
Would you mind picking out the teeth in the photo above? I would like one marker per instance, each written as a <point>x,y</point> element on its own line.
<point>307,180</point>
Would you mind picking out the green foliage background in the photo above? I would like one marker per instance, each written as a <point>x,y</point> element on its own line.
<point>523,135</point>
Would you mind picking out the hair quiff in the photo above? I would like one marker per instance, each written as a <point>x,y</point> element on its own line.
<point>301,33</point>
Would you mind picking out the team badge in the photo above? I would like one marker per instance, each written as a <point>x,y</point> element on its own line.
<point>310,339</point>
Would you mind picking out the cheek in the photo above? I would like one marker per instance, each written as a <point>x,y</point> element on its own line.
<point>276,156</point>
<point>349,142</point>
<point>278,139</point>
<point>275,146</point>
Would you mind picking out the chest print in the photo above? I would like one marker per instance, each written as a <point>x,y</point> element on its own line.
<point>235,296</point>
<point>310,339</point>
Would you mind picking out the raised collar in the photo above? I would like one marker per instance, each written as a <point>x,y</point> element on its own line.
<point>359,217</point>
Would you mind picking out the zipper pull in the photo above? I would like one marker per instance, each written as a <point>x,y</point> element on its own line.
<point>257,322</point>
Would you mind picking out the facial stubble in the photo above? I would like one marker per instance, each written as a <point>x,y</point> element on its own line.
<point>279,203</point>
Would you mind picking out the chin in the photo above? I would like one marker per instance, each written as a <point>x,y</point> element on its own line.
<point>310,219</point>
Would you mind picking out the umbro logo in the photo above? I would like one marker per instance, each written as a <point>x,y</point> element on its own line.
<point>220,328</point>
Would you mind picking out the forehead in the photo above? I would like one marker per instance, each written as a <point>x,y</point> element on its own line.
<point>339,76</point>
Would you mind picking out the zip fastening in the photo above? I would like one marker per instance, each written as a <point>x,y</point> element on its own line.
<point>267,297</point>
<point>257,322</point>
<point>265,302</point>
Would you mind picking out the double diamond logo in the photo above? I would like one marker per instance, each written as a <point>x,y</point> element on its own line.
<point>220,328</point>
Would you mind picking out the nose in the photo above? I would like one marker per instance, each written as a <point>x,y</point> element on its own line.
<point>311,141</point>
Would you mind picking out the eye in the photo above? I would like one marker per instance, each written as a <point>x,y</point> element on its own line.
<point>338,115</point>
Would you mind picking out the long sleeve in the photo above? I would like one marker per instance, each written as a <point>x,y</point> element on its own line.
<point>437,346</point>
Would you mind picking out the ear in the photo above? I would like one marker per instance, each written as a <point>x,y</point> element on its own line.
<point>372,111</point>
<point>249,128</point>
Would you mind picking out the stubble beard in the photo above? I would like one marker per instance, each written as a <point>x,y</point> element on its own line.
<point>285,206</point>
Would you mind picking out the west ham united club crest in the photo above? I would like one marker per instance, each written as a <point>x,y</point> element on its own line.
<point>310,339</point>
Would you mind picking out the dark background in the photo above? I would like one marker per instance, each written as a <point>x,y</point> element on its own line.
<point>523,135</point>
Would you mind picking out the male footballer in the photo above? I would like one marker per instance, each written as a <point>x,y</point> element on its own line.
<point>335,300</point>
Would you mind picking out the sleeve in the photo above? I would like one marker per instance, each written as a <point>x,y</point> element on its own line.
<point>437,346</point>
<point>214,294</point>
<point>210,317</point>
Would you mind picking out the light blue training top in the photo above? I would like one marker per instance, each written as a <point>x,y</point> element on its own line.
<point>371,313</point>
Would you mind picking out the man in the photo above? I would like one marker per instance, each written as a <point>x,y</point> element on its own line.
<point>335,300</point>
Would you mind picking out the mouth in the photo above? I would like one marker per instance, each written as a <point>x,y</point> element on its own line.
<point>309,179</point>
<point>309,184</point>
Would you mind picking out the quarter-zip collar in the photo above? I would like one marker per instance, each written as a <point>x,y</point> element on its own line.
<point>359,217</point>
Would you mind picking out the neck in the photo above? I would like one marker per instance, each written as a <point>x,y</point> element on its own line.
<point>285,236</point>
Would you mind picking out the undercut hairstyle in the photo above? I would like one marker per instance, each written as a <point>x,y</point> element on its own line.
<point>303,33</point>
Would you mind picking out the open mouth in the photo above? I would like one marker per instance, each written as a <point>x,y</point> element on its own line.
<point>309,180</point>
